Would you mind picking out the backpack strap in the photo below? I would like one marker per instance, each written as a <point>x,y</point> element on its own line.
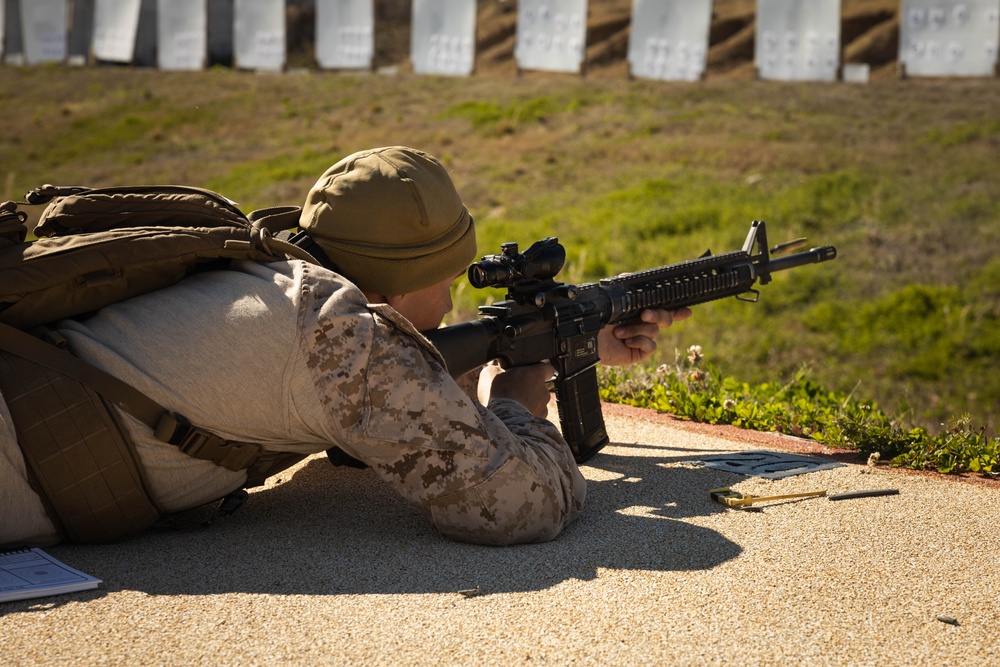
<point>262,241</point>
<point>13,230</point>
<point>306,243</point>
<point>269,233</point>
<point>48,192</point>
<point>276,218</point>
<point>167,426</point>
<point>76,457</point>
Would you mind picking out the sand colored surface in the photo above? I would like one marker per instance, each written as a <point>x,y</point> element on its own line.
<point>326,566</point>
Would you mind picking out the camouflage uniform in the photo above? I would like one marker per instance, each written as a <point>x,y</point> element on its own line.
<point>290,356</point>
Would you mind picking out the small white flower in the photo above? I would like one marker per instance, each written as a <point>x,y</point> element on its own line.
<point>694,354</point>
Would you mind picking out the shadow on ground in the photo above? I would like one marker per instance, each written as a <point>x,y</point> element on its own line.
<point>332,530</point>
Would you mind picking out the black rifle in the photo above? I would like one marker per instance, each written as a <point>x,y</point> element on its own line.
<point>542,319</point>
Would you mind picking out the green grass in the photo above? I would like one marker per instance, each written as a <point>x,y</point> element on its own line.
<point>900,176</point>
<point>693,389</point>
<point>494,119</point>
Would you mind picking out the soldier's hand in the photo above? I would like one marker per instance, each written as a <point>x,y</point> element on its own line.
<point>524,384</point>
<point>631,343</point>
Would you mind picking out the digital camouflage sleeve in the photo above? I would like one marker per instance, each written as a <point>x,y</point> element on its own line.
<point>495,475</point>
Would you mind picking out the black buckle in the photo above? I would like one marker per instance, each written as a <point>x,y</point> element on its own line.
<point>201,444</point>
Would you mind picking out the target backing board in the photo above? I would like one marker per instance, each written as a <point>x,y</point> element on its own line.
<point>181,34</point>
<point>798,40</point>
<point>116,23</point>
<point>259,35</point>
<point>551,35</point>
<point>44,30</point>
<point>443,38</point>
<point>345,34</point>
<point>669,39</point>
<point>949,37</point>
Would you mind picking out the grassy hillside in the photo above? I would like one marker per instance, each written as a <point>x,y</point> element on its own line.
<point>899,175</point>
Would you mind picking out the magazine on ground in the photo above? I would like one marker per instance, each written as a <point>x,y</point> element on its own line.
<point>32,573</point>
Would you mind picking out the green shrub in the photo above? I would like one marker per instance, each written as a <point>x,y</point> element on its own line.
<point>959,448</point>
<point>692,389</point>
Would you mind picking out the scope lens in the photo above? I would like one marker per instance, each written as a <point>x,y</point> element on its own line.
<point>490,273</point>
<point>477,276</point>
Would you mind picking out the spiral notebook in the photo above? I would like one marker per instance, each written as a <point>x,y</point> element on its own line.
<point>32,573</point>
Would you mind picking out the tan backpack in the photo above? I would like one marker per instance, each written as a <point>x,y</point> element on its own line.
<point>96,247</point>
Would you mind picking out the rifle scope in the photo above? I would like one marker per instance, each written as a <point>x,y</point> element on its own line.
<point>542,261</point>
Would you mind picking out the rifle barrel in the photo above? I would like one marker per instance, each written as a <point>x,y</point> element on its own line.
<point>813,256</point>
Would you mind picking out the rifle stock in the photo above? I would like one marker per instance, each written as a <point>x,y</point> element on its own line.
<point>542,319</point>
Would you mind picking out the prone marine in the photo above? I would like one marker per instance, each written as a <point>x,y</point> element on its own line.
<point>298,359</point>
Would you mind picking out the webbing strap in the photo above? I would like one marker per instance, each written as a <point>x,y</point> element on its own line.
<point>121,394</point>
<point>202,444</point>
<point>77,459</point>
<point>167,426</point>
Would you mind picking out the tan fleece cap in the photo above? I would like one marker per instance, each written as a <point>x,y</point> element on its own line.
<point>391,220</point>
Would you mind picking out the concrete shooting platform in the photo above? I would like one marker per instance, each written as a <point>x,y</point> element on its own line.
<point>328,567</point>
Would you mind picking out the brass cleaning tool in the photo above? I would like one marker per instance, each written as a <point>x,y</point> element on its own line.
<point>731,498</point>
